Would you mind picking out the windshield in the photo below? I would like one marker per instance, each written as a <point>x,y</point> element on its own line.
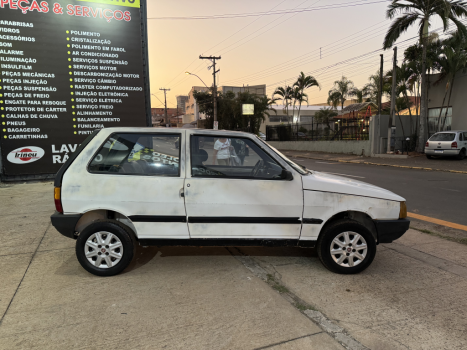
<point>298,167</point>
<point>445,136</point>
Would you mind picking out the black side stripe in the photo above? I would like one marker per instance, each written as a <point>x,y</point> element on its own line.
<point>312,221</point>
<point>157,218</point>
<point>223,219</point>
<point>241,220</point>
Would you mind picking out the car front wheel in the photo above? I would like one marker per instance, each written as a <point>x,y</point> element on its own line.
<point>105,248</point>
<point>346,247</point>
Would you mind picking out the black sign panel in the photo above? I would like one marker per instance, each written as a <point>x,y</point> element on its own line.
<point>67,68</point>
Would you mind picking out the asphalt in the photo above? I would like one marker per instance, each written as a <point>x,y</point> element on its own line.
<point>439,195</point>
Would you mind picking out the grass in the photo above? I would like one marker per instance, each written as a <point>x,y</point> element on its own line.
<point>298,304</point>
<point>439,235</point>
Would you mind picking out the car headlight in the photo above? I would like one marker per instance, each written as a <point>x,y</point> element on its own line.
<point>403,211</point>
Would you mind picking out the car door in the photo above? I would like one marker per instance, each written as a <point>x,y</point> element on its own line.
<point>234,190</point>
<point>139,175</point>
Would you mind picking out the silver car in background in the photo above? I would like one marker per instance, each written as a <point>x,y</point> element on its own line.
<point>447,143</point>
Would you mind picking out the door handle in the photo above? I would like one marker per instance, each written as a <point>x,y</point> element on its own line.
<point>182,193</point>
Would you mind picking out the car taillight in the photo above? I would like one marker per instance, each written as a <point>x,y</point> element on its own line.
<point>427,144</point>
<point>58,199</point>
<point>454,145</point>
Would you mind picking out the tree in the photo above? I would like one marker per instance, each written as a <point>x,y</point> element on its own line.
<point>285,95</point>
<point>359,94</point>
<point>420,12</point>
<point>304,82</point>
<point>325,115</point>
<point>298,97</point>
<point>229,108</point>
<point>341,90</point>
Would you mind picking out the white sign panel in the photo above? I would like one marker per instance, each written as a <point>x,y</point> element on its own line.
<point>248,109</point>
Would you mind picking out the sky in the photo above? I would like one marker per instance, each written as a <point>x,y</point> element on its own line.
<point>267,49</point>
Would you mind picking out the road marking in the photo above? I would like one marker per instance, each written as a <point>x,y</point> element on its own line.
<point>325,163</point>
<point>437,221</point>
<point>361,177</point>
<point>448,189</point>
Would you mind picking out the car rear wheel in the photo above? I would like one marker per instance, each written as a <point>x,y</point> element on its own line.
<point>105,248</point>
<point>461,154</point>
<point>346,247</point>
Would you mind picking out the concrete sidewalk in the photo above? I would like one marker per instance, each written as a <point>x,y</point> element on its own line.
<point>170,298</point>
<point>413,161</point>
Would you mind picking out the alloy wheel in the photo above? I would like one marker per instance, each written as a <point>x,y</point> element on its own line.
<point>103,249</point>
<point>348,249</point>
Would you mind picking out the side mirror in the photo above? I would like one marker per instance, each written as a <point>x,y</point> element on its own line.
<point>286,175</point>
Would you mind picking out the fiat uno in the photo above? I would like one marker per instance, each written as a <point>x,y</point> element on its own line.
<point>194,187</point>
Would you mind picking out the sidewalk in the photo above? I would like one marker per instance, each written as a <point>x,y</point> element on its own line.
<point>418,161</point>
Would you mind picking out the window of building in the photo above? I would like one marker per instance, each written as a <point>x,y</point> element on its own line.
<point>219,157</point>
<point>278,119</point>
<point>444,123</point>
<point>139,154</point>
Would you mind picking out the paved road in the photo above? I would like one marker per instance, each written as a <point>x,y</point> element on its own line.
<point>431,193</point>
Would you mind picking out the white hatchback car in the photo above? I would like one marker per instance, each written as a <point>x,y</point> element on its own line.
<point>127,186</point>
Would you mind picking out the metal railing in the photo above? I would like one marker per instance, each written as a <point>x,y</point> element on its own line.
<point>317,132</point>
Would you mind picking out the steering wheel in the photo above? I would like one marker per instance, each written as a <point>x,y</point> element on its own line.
<point>259,164</point>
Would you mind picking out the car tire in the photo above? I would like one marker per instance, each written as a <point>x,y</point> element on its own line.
<point>349,233</point>
<point>105,243</point>
<point>429,157</point>
<point>461,154</point>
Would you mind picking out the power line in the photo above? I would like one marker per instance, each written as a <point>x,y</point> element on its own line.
<point>270,13</point>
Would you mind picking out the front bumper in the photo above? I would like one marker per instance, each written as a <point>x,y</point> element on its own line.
<point>390,230</point>
<point>446,152</point>
<point>65,224</point>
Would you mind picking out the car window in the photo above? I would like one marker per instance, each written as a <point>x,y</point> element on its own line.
<point>139,154</point>
<point>444,136</point>
<point>232,158</point>
<point>461,137</point>
<point>465,135</point>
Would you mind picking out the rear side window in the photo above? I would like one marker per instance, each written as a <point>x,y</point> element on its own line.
<point>139,154</point>
<point>445,136</point>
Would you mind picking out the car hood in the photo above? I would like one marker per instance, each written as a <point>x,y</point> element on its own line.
<point>323,182</point>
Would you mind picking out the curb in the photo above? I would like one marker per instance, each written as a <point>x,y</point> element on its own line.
<point>380,164</point>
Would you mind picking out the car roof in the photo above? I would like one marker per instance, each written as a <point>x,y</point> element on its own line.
<point>191,131</point>
<point>450,131</point>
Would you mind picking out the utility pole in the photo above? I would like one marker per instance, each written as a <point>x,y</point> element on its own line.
<point>380,97</point>
<point>392,117</point>
<point>165,103</point>
<point>214,88</point>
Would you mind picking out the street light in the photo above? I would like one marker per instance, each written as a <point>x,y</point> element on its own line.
<point>188,73</point>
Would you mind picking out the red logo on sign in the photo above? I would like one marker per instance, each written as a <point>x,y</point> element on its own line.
<point>25,154</point>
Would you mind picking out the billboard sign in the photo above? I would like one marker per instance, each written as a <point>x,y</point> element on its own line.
<point>248,109</point>
<point>67,67</point>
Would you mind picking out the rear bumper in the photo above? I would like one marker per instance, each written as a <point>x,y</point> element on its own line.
<point>446,152</point>
<point>390,230</point>
<point>65,224</point>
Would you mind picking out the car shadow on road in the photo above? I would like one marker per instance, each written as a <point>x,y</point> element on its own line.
<point>145,255</point>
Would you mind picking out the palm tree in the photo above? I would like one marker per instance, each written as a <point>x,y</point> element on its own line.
<point>359,94</point>
<point>285,94</point>
<point>304,82</point>
<point>298,97</point>
<point>420,12</point>
<point>334,99</point>
<point>341,90</point>
<point>324,115</point>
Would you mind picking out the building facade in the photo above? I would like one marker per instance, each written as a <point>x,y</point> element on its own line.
<point>192,108</point>
<point>456,117</point>
<point>173,116</point>
<point>181,103</point>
